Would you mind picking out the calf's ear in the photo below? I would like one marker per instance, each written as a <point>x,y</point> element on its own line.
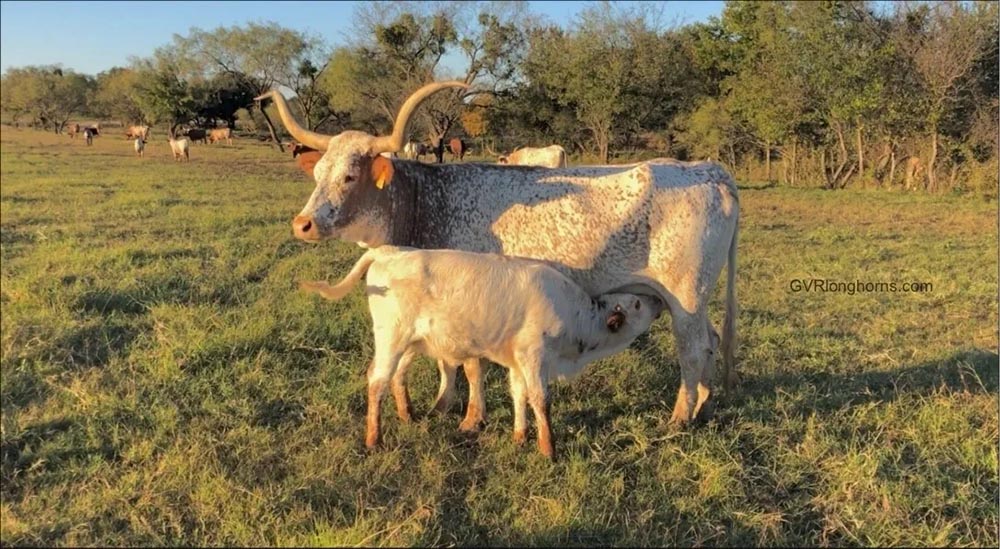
<point>382,171</point>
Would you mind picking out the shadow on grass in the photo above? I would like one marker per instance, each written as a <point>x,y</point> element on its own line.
<point>41,451</point>
<point>972,371</point>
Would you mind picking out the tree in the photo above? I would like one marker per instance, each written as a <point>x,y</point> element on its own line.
<point>259,57</point>
<point>49,95</point>
<point>117,96</point>
<point>403,51</point>
<point>945,41</point>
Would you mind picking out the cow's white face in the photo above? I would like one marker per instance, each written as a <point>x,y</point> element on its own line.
<point>347,202</point>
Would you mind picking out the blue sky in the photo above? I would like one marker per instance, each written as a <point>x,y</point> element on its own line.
<point>90,37</point>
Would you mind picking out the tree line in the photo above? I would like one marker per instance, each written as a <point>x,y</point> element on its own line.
<point>829,93</point>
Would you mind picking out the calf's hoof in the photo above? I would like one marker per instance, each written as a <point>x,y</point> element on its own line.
<point>441,406</point>
<point>470,426</point>
<point>520,437</point>
<point>546,449</point>
<point>405,414</point>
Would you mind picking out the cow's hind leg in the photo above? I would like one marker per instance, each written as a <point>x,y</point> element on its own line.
<point>694,345</point>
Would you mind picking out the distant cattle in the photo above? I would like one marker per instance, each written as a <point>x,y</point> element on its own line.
<point>437,148</point>
<point>220,134</point>
<point>414,150</point>
<point>457,147</point>
<point>133,132</point>
<point>72,130</point>
<point>140,146</point>
<point>552,156</point>
<point>305,157</point>
<point>180,147</point>
<point>195,134</point>
<point>88,135</point>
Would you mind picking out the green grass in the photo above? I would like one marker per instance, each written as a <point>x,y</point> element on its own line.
<point>164,383</point>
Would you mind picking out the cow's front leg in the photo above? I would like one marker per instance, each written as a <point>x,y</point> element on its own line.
<point>694,346</point>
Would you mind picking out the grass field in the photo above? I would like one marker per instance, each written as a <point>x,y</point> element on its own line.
<point>164,382</point>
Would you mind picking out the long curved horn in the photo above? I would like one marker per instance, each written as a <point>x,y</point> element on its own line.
<point>394,142</point>
<point>308,138</point>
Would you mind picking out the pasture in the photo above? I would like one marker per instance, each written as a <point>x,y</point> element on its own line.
<point>165,383</point>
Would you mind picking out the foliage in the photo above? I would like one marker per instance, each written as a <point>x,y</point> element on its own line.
<point>47,96</point>
<point>835,93</point>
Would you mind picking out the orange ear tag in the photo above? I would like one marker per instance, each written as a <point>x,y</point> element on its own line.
<point>382,171</point>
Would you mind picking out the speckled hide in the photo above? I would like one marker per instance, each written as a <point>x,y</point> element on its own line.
<point>659,226</point>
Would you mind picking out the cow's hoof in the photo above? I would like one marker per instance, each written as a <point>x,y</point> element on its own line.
<point>707,412</point>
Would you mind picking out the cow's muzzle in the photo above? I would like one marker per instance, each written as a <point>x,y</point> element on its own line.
<point>304,228</point>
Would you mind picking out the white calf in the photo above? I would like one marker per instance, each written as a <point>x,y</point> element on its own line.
<point>140,146</point>
<point>180,147</point>
<point>537,322</point>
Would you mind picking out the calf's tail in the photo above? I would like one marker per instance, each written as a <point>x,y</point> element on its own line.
<point>345,285</point>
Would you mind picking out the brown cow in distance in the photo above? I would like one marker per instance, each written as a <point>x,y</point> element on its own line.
<point>305,157</point>
<point>219,134</point>
<point>457,147</point>
<point>72,130</point>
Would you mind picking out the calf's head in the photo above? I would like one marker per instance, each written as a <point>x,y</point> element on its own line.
<point>629,315</point>
<point>349,201</point>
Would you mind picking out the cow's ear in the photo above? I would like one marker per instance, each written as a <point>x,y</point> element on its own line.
<point>382,171</point>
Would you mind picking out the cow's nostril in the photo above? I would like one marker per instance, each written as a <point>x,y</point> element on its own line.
<point>306,226</point>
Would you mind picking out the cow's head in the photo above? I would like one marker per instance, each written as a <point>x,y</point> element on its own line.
<point>349,199</point>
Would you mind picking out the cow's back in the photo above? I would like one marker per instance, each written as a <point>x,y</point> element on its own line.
<point>609,226</point>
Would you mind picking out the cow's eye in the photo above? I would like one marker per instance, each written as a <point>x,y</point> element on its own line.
<point>349,179</point>
<point>637,305</point>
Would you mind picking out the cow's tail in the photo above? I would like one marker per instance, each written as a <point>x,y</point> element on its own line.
<point>729,327</point>
<point>345,285</point>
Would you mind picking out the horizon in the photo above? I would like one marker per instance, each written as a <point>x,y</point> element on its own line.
<point>123,33</point>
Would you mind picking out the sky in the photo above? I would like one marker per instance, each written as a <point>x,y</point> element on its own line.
<point>90,37</point>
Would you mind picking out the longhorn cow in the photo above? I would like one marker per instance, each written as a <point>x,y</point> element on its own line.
<point>660,227</point>
<point>552,156</point>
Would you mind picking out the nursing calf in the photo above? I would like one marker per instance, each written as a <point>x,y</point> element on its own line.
<point>541,324</point>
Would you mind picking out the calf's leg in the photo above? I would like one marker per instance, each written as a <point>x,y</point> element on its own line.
<point>446,387</point>
<point>404,408</point>
<point>519,396</point>
<point>475,414</point>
